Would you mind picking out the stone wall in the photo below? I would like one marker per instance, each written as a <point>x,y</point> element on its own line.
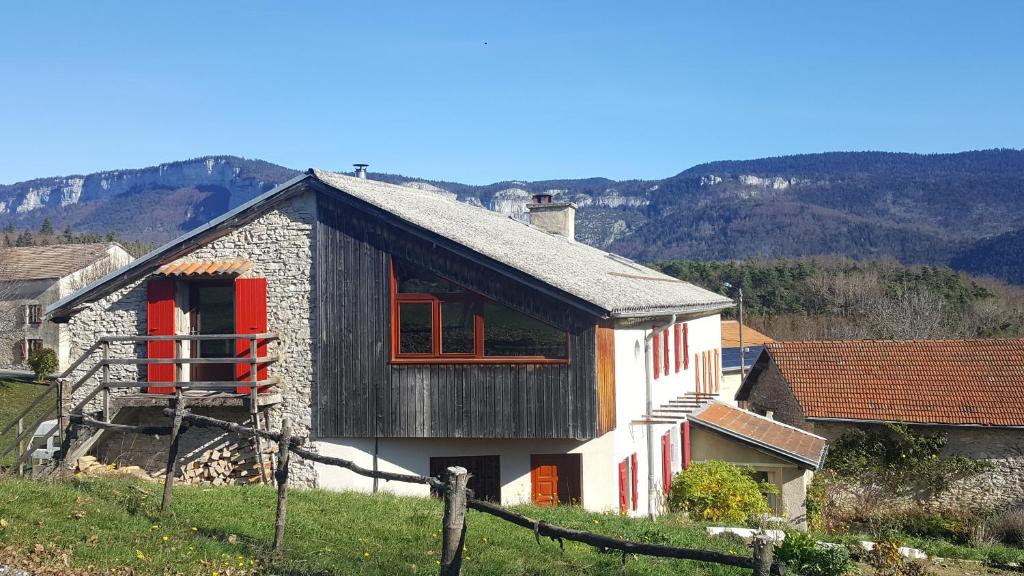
<point>1002,486</point>
<point>280,246</point>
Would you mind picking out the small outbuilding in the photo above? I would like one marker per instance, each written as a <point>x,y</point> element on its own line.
<point>779,454</point>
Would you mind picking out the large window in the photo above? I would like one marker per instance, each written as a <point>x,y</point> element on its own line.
<point>435,320</point>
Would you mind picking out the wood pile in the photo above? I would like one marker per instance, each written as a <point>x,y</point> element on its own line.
<point>90,466</point>
<point>233,463</point>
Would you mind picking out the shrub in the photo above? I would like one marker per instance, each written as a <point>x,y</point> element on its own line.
<point>718,492</point>
<point>43,363</point>
<point>806,557</point>
<point>885,558</point>
<point>1008,526</point>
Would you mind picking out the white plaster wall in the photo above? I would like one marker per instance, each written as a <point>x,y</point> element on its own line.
<point>731,382</point>
<point>599,483</point>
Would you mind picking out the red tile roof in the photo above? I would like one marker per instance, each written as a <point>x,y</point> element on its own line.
<point>965,382</point>
<point>204,267</point>
<point>751,337</point>
<point>786,441</point>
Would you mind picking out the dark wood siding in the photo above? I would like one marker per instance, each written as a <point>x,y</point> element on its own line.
<point>361,394</point>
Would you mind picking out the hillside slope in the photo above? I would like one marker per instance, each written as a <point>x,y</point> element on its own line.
<point>927,209</point>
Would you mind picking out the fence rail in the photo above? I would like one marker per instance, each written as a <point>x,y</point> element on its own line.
<point>457,498</point>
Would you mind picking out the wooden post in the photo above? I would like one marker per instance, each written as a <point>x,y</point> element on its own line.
<point>454,521</point>
<point>21,447</point>
<point>106,380</point>
<point>65,402</point>
<point>283,450</point>
<point>764,553</point>
<point>254,414</point>
<point>172,452</point>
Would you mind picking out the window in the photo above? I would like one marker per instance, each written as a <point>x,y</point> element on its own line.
<point>33,345</point>
<point>435,320</point>
<point>772,498</point>
<point>484,474</point>
<point>34,314</point>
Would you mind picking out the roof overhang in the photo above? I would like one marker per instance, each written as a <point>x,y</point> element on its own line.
<point>762,446</point>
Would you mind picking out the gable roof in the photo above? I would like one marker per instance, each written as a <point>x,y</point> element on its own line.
<point>953,382</point>
<point>609,284</point>
<point>49,262</point>
<point>751,337</point>
<point>785,441</point>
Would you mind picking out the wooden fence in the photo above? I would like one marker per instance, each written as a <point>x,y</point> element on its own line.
<point>457,498</point>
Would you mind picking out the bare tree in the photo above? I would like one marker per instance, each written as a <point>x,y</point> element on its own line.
<point>910,315</point>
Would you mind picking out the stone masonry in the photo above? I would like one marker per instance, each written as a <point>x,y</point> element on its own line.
<point>280,246</point>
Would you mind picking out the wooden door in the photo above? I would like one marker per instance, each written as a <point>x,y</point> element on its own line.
<point>160,310</point>
<point>555,479</point>
<point>212,305</point>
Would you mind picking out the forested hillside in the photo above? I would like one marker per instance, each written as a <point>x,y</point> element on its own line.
<point>834,298</point>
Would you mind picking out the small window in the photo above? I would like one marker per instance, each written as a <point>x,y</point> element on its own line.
<point>34,345</point>
<point>34,314</point>
<point>762,477</point>
<point>436,320</point>
<point>484,474</point>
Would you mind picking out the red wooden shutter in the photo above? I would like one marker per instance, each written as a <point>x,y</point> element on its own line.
<point>160,322</point>
<point>717,368</point>
<point>696,373</point>
<point>664,351</point>
<point>666,461</point>
<point>678,341</point>
<point>656,353</point>
<point>623,486</point>
<point>686,346</point>
<point>686,443</point>
<point>250,318</point>
<point>635,475</point>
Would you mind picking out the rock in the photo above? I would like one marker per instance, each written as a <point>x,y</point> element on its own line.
<point>748,533</point>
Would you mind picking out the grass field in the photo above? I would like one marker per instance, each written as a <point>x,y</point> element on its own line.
<point>104,525</point>
<point>15,394</point>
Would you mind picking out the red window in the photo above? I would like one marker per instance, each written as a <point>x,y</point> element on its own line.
<point>433,320</point>
<point>678,329</point>
<point>686,345</point>
<point>664,351</point>
<point>666,461</point>
<point>656,353</point>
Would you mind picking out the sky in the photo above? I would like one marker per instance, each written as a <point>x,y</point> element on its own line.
<point>479,92</point>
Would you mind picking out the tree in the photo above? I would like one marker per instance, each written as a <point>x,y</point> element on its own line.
<point>47,228</point>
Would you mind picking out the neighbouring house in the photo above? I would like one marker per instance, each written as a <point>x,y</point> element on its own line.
<point>779,454</point>
<point>406,331</point>
<point>34,277</point>
<point>970,390</point>
<point>733,353</point>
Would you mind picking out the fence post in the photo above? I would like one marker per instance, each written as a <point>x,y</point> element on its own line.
<point>172,452</point>
<point>21,447</point>
<point>106,381</point>
<point>764,552</point>
<point>454,522</point>
<point>283,451</point>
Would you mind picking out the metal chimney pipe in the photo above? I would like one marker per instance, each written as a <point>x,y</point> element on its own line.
<point>361,170</point>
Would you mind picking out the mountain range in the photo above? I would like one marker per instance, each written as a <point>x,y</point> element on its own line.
<point>964,210</point>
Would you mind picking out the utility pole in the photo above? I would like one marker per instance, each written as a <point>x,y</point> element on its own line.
<point>743,367</point>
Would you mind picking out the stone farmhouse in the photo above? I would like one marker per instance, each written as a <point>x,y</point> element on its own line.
<point>34,277</point>
<point>970,390</point>
<point>408,332</point>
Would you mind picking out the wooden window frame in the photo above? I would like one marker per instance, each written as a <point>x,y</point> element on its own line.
<point>33,314</point>
<point>437,354</point>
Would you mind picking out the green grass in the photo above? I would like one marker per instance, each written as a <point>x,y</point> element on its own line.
<point>937,547</point>
<point>14,396</point>
<point>105,524</point>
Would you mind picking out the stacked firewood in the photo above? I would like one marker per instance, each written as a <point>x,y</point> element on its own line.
<point>234,463</point>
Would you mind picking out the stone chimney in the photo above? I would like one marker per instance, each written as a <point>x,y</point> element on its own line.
<point>553,217</point>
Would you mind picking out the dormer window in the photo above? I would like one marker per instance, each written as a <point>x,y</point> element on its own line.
<point>435,320</point>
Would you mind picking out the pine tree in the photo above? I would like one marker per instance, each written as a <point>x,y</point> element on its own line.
<point>47,228</point>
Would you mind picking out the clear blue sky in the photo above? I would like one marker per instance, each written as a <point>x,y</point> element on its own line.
<point>478,93</point>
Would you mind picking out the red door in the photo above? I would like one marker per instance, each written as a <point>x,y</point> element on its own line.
<point>555,479</point>
<point>250,318</point>
<point>160,312</point>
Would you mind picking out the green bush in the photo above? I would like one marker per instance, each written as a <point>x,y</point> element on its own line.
<point>43,363</point>
<point>804,557</point>
<point>718,492</point>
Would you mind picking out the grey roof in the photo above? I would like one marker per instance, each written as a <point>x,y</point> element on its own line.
<point>614,284</point>
<point>49,262</point>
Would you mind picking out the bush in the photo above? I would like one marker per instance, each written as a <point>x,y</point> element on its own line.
<point>718,492</point>
<point>1008,526</point>
<point>43,363</point>
<point>806,557</point>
